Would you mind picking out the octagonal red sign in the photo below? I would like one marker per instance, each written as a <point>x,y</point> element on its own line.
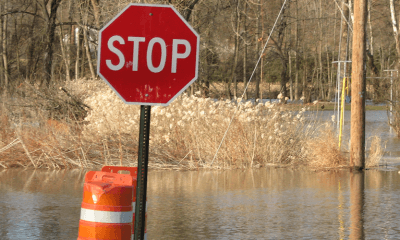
<point>148,54</point>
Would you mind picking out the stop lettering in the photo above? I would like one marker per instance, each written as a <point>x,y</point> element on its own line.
<point>148,54</point>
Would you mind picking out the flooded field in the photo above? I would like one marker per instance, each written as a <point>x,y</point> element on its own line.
<point>376,124</point>
<point>268,203</point>
<point>253,204</point>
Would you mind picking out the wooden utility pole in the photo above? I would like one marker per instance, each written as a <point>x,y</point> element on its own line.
<point>358,87</point>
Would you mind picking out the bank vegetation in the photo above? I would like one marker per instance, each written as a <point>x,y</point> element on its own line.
<point>93,127</point>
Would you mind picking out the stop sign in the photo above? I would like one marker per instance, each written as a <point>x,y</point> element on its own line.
<point>148,54</point>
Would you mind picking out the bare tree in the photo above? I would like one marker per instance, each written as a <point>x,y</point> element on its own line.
<point>3,35</point>
<point>49,13</point>
<point>396,30</point>
<point>282,50</point>
<point>236,51</point>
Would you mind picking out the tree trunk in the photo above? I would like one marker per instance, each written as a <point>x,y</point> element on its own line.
<point>329,80</point>
<point>257,55</point>
<point>284,77</point>
<point>305,94</point>
<point>263,53</point>
<point>282,50</point>
<point>236,53</point>
<point>31,48</point>
<point>321,70</point>
<point>371,60</point>
<point>88,55</point>
<point>17,48</point>
<point>304,90</point>
<point>96,13</point>
<point>395,31</point>
<point>78,54</point>
<point>82,47</point>
<point>4,47</point>
<point>3,85</point>
<point>64,55</point>
<point>49,39</point>
<point>296,81</point>
<point>245,50</point>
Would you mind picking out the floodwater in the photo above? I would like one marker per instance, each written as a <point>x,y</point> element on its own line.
<point>376,124</point>
<point>268,203</point>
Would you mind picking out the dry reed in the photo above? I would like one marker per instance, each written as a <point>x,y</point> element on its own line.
<point>375,153</point>
<point>324,151</point>
<point>184,135</point>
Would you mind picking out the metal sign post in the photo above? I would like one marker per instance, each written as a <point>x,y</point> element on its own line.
<point>143,163</point>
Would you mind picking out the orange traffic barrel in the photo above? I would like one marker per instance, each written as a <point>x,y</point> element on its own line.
<point>133,173</point>
<point>107,211</point>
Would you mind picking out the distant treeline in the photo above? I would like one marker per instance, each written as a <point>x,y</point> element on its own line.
<point>44,42</point>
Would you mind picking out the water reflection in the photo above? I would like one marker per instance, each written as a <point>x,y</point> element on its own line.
<point>253,204</point>
<point>268,204</point>
<point>39,204</point>
<point>357,205</point>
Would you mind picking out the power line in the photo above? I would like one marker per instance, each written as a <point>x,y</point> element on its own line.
<point>248,83</point>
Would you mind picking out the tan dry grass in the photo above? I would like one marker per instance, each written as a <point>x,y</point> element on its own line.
<point>375,153</point>
<point>184,135</point>
<point>324,151</point>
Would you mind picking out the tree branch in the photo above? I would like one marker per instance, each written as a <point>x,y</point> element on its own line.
<point>22,12</point>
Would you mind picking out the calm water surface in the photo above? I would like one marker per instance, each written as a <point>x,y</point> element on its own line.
<point>376,124</point>
<point>253,204</point>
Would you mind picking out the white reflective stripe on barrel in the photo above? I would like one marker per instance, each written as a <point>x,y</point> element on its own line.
<point>106,216</point>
